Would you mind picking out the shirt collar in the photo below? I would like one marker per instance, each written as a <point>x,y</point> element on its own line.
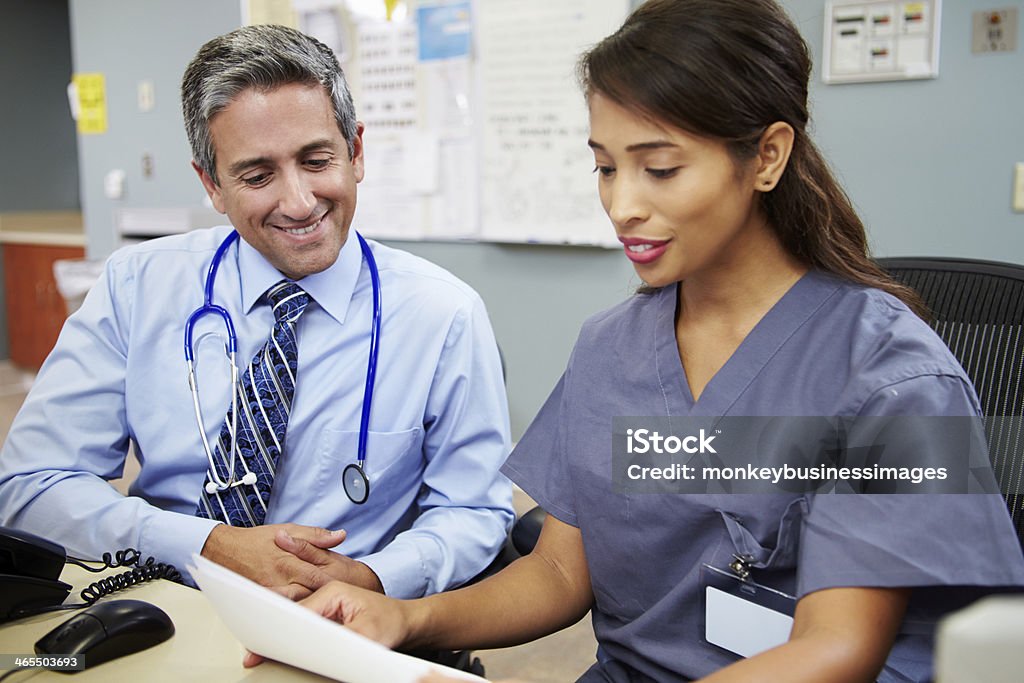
<point>331,289</point>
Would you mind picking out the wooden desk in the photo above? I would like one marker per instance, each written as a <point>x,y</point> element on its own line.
<point>201,649</point>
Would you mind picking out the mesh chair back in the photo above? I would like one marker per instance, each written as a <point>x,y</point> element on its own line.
<point>978,310</point>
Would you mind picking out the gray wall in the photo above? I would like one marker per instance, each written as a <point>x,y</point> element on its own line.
<point>40,164</point>
<point>537,298</point>
<point>130,41</point>
<point>39,169</point>
<point>927,162</point>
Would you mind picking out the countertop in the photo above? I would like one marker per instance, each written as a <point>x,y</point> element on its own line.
<point>56,228</point>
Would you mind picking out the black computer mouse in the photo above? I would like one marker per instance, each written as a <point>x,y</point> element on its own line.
<point>108,630</point>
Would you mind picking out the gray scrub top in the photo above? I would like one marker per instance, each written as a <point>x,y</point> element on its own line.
<point>827,348</point>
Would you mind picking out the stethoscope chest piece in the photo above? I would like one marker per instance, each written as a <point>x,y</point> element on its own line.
<point>355,483</point>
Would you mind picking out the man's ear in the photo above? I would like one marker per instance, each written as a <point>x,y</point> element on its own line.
<point>357,152</point>
<point>773,152</point>
<point>211,187</point>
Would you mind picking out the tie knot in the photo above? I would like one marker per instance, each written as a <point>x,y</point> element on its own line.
<point>289,301</point>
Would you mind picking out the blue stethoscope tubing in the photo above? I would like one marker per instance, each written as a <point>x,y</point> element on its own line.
<point>354,479</point>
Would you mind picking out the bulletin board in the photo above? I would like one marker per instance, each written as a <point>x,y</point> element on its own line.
<point>881,40</point>
<point>475,126</point>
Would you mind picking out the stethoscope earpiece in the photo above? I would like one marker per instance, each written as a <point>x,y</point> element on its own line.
<point>249,479</point>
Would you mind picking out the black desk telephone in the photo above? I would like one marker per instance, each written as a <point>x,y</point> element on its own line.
<point>30,569</point>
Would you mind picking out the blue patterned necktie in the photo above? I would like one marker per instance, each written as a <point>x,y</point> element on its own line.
<point>264,401</point>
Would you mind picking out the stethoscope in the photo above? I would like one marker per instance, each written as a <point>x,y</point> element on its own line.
<point>353,478</point>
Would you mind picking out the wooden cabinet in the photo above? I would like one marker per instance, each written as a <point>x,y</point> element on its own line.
<point>35,309</point>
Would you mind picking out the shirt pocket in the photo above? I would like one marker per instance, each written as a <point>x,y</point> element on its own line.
<point>773,560</point>
<point>394,461</point>
<point>782,555</point>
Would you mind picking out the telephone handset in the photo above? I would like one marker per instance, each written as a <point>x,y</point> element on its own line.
<point>30,568</point>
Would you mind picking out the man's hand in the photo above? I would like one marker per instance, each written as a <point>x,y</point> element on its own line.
<point>337,566</point>
<point>253,553</point>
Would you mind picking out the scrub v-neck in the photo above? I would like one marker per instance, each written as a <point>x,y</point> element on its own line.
<point>756,350</point>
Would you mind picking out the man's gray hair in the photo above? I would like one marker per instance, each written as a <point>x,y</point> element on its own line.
<point>262,57</point>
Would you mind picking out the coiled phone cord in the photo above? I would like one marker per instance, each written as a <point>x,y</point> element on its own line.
<point>140,572</point>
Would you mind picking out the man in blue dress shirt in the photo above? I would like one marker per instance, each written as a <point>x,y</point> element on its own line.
<point>277,148</point>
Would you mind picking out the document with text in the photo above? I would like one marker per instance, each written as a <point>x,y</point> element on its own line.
<point>277,628</point>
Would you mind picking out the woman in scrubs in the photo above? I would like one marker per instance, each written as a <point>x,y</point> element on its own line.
<point>760,300</point>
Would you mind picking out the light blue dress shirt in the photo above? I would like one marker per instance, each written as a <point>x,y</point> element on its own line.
<point>438,510</point>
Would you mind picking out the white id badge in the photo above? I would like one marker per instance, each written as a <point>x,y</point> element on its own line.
<point>742,616</point>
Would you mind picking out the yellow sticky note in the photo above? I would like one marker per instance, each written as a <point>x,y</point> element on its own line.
<point>92,103</point>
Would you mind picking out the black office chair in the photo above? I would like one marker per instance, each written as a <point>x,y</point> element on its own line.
<point>978,310</point>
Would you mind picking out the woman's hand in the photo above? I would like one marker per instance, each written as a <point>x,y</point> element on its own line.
<point>536,595</point>
<point>370,614</point>
<point>367,613</point>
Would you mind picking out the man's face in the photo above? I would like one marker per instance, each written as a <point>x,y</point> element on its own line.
<point>285,178</point>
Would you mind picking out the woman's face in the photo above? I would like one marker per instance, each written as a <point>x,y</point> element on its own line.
<point>680,204</point>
